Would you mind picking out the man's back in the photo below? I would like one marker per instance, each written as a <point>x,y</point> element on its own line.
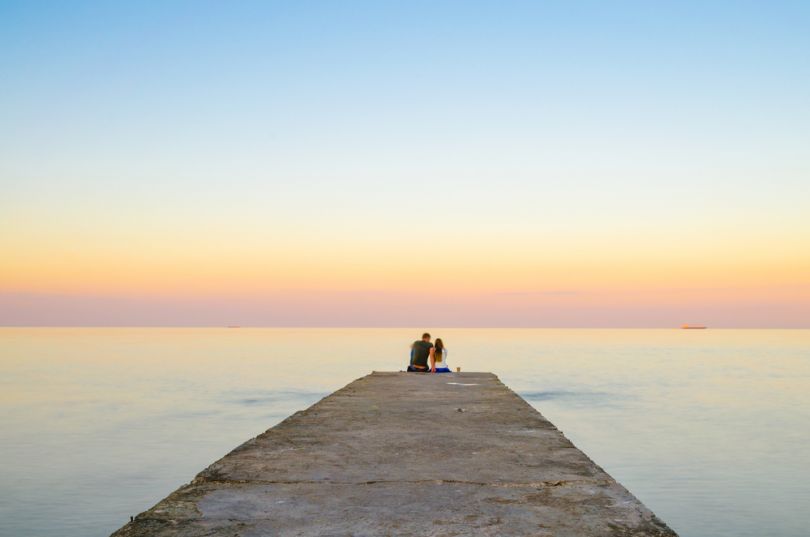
<point>421,352</point>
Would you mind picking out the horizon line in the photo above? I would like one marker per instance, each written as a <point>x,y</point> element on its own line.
<point>366,327</point>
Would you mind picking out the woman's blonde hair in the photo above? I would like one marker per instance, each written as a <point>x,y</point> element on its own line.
<point>439,346</point>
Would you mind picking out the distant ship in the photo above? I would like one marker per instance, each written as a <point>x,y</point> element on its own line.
<point>692,327</point>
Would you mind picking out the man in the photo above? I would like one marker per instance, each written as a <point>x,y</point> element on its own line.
<point>422,352</point>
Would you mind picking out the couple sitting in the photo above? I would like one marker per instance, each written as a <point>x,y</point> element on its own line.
<point>423,351</point>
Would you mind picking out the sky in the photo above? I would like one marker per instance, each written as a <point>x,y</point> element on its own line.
<point>452,163</point>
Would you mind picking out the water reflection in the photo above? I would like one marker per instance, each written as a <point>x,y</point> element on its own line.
<point>584,398</point>
<point>271,397</point>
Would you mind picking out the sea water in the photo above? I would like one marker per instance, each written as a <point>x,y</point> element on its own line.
<point>709,428</point>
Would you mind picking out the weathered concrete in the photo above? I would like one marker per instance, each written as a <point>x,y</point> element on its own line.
<point>405,454</point>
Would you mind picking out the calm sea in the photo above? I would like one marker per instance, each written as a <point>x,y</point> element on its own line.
<point>709,428</point>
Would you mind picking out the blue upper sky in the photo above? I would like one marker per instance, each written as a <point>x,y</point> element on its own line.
<point>429,86</point>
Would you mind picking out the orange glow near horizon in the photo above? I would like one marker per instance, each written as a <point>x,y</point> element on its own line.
<point>516,270</point>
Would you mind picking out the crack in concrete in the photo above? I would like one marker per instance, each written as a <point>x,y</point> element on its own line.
<point>527,484</point>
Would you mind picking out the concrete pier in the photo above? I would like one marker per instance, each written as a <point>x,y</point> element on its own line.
<point>405,454</point>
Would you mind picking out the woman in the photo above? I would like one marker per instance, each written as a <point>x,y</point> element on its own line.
<point>440,357</point>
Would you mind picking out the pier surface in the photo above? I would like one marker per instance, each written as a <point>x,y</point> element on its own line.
<point>405,454</point>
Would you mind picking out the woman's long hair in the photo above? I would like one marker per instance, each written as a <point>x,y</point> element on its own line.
<point>439,346</point>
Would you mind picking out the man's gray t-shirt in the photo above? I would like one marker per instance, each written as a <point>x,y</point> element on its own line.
<point>421,352</point>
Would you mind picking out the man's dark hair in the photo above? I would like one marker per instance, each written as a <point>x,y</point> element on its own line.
<point>425,335</point>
